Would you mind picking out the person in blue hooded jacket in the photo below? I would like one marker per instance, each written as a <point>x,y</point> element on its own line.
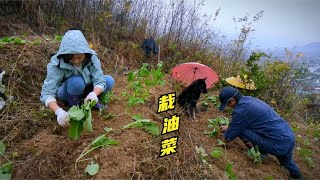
<point>257,122</point>
<point>73,73</point>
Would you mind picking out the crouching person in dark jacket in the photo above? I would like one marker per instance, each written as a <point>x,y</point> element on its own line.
<point>257,122</point>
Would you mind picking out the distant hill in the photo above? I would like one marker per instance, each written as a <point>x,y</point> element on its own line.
<point>310,50</point>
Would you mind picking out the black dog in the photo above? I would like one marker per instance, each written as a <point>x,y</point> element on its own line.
<point>189,96</point>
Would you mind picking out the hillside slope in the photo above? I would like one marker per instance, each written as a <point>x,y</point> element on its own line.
<point>45,151</point>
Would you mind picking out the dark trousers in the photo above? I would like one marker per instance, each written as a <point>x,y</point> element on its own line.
<point>282,150</point>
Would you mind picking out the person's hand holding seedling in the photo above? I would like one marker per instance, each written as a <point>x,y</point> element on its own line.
<point>91,97</point>
<point>62,117</point>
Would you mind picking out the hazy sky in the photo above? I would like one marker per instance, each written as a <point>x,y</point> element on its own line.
<point>285,23</point>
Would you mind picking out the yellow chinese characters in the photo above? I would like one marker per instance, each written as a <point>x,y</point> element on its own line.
<point>168,146</point>
<point>166,102</point>
<point>170,125</point>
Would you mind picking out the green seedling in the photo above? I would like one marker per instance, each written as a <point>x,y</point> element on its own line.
<point>7,39</point>
<point>229,171</point>
<point>58,38</point>
<point>134,101</point>
<point>223,121</point>
<point>217,152</point>
<point>19,41</point>
<point>80,119</point>
<point>144,71</point>
<point>205,104</point>
<point>99,142</point>
<point>106,129</point>
<point>221,143</point>
<point>307,155</point>
<point>255,154</point>
<point>140,82</point>
<point>92,168</point>
<point>214,125</point>
<point>5,169</point>
<point>202,154</point>
<point>214,101</point>
<point>105,98</point>
<point>37,42</point>
<point>145,124</point>
<point>212,133</point>
<point>210,100</point>
<point>12,40</point>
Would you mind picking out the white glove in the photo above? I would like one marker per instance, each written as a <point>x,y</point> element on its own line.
<point>62,117</point>
<point>91,96</point>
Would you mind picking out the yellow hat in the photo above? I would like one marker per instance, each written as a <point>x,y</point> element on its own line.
<point>238,82</point>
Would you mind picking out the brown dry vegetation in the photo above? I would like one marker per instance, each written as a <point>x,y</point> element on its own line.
<point>41,149</point>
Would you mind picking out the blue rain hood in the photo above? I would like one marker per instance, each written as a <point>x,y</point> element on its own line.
<point>74,42</point>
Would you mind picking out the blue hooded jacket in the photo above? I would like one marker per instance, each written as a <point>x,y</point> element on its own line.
<point>254,114</point>
<point>73,42</point>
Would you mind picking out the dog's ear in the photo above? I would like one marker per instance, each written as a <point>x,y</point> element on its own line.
<point>205,78</point>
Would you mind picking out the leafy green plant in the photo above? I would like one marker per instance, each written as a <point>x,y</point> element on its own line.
<point>7,39</point>
<point>140,82</point>
<point>99,142</point>
<point>5,169</point>
<point>12,40</point>
<point>217,152</point>
<point>132,101</point>
<point>214,125</point>
<point>58,38</point>
<point>106,97</point>
<point>146,124</point>
<point>307,155</point>
<point>214,100</point>
<point>209,99</point>
<point>255,154</point>
<point>80,119</point>
<point>36,42</point>
<point>213,133</point>
<point>106,129</point>
<point>205,104</point>
<point>92,168</point>
<point>229,171</point>
<point>202,154</point>
<point>17,41</point>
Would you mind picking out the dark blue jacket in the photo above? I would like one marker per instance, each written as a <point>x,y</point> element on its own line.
<point>254,114</point>
<point>149,45</point>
